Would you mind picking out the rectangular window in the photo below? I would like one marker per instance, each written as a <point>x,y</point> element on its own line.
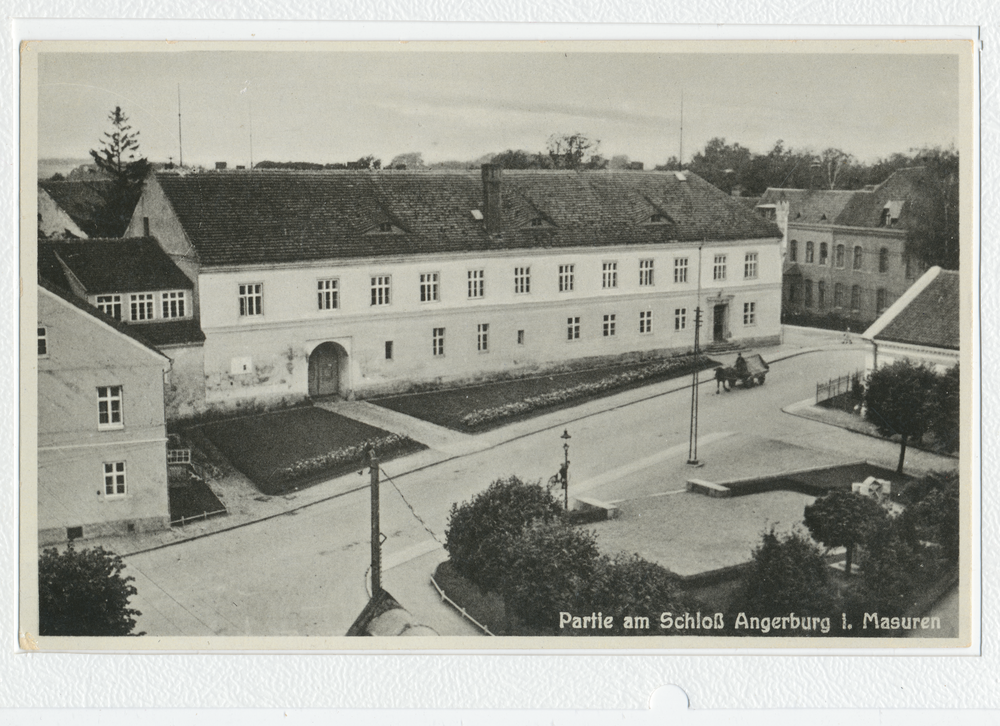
<point>609,275</point>
<point>174,304</point>
<point>750,266</point>
<point>807,287</point>
<point>477,283</point>
<point>719,269</point>
<point>388,350</point>
<point>573,328</point>
<point>609,325</point>
<point>43,342</point>
<point>429,287</point>
<point>114,479</point>
<point>437,342</point>
<point>520,337</point>
<point>483,337</point>
<point>522,280</point>
<point>251,299</point>
<point>645,273</point>
<point>381,288</point>
<point>565,278</point>
<point>110,305</point>
<point>142,306</point>
<point>109,407</point>
<point>880,301</point>
<point>178,456</point>
<point>680,269</point>
<point>646,321</point>
<point>328,294</point>
<point>680,319</point>
<point>750,313</point>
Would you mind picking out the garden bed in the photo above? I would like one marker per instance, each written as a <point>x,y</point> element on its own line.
<point>287,450</point>
<point>193,500</point>
<point>817,482</point>
<point>486,406</point>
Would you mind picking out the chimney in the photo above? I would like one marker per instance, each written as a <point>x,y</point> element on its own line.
<point>492,177</point>
<point>145,226</point>
<point>220,165</point>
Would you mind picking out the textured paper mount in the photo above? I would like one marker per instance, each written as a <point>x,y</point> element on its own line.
<point>964,128</point>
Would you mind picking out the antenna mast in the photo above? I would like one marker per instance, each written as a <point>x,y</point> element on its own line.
<point>250,108</point>
<point>180,139</point>
<point>680,159</point>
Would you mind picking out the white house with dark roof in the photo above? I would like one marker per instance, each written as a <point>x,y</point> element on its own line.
<point>102,439</point>
<point>923,325</point>
<point>360,283</point>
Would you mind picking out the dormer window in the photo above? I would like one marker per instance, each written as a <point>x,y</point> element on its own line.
<point>537,222</point>
<point>890,213</point>
<point>385,227</point>
<point>657,219</point>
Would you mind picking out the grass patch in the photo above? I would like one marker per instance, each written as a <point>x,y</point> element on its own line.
<point>287,450</point>
<point>192,499</point>
<point>486,607</point>
<point>486,406</point>
<point>818,482</point>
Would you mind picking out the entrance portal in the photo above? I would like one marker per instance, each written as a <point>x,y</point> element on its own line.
<point>719,323</point>
<point>325,364</point>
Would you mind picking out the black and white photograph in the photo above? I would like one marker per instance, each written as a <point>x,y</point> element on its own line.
<point>476,345</point>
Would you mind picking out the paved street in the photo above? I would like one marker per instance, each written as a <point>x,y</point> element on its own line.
<point>303,573</point>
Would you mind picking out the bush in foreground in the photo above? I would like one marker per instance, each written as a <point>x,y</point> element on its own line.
<point>83,593</point>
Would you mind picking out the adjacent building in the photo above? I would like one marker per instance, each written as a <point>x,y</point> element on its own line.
<point>360,283</point>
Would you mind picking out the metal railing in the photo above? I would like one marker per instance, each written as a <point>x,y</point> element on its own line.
<point>462,611</point>
<point>836,386</point>
<point>204,515</point>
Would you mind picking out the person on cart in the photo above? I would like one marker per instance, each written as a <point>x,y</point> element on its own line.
<point>741,366</point>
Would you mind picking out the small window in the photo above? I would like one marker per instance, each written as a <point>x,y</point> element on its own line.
<point>141,306</point>
<point>823,254</point>
<point>477,283</point>
<point>793,251</point>
<point>385,227</point>
<point>566,278</point>
<point>680,319</point>
<point>522,280</point>
<point>645,321</point>
<point>855,298</point>
<point>838,295</point>
<point>645,273</point>
<point>110,305</point>
<point>251,299</point>
<point>388,350</point>
<point>719,268</point>
<point>483,337</point>
<point>680,269</point>
<point>437,342</point>
<point>609,275</point>
<point>328,294</point>
<point>174,304</point>
<point>839,256</point>
<point>859,258</point>
<point>750,266</point>
<point>520,337</point>
<point>109,407</point>
<point>807,293</point>
<point>883,260</point>
<point>609,325</point>
<point>381,290</point>
<point>43,342</point>
<point>821,294</point>
<point>73,533</point>
<point>749,313</point>
<point>657,218</point>
<point>880,301</point>
<point>429,287</point>
<point>114,479</point>
<point>573,328</point>
<point>810,252</point>
<point>537,222</point>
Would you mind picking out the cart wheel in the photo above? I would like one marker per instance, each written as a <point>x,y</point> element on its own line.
<point>762,380</point>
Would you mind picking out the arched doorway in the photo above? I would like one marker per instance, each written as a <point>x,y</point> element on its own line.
<point>326,369</point>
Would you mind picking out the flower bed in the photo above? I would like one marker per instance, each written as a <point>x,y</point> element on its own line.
<point>354,455</point>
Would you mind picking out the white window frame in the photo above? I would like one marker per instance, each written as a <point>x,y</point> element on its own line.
<point>680,270</point>
<point>609,325</point>
<point>430,287</point>
<point>174,305</point>
<point>328,293</point>
<point>141,301</point>
<point>680,319</point>
<point>43,341</point>
<point>110,305</point>
<point>381,290</point>
<point>106,406</point>
<point>114,477</point>
<point>522,280</point>
<point>566,275</point>
<point>750,266</point>
<point>719,268</point>
<point>476,284</point>
<point>573,328</point>
<point>645,322</point>
<point>749,313</point>
<point>251,295</point>
<point>437,342</point>
<point>483,337</point>
<point>646,273</point>
<point>609,275</point>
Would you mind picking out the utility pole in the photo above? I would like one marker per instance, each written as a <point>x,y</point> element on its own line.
<point>693,431</point>
<point>376,528</point>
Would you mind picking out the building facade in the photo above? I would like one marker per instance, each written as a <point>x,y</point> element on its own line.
<point>101,424</point>
<point>360,284</point>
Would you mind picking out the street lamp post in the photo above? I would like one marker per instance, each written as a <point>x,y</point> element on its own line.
<point>565,467</point>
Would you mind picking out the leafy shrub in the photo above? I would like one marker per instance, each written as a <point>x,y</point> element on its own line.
<point>945,422</point>
<point>83,593</point>
<point>843,519</point>
<point>628,585</point>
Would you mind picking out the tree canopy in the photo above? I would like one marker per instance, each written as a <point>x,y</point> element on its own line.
<point>899,400</point>
<point>118,157</point>
<point>842,519</point>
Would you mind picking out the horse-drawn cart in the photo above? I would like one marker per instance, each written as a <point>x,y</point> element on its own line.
<point>752,373</point>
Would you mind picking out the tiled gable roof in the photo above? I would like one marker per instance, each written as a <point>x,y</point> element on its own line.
<point>85,203</point>
<point>931,318</point>
<point>810,206</point>
<point>271,217</point>
<point>121,264</point>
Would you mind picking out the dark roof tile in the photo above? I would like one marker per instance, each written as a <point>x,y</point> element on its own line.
<point>122,264</point>
<point>931,318</point>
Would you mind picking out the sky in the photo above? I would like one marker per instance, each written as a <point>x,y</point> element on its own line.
<point>329,107</point>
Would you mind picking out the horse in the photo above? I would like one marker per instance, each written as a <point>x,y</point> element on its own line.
<point>724,378</point>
